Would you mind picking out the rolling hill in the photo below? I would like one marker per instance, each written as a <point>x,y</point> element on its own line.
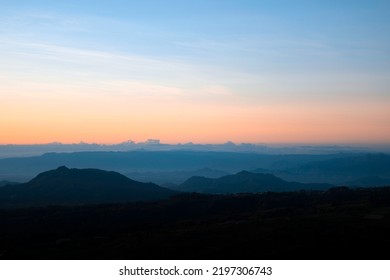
<point>64,186</point>
<point>244,181</point>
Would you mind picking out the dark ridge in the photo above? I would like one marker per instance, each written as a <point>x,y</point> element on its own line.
<point>64,186</point>
<point>337,224</point>
<point>244,181</point>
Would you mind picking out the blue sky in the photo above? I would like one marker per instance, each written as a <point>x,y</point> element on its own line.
<point>236,56</point>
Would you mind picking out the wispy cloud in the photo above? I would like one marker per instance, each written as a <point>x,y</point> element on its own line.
<point>52,70</point>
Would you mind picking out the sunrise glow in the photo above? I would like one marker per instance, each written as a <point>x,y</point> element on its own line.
<point>205,71</point>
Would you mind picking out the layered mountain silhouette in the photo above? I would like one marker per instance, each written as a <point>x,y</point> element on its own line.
<point>361,170</point>
<point>174,177</point>
<point>23,169</point>
<point>177,166</point>
<point>245,181</point>
<point>64,186</point>
<point>364,165</point>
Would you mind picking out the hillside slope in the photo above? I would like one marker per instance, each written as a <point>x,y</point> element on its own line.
<point>64,186</point>
<point>244,181</point>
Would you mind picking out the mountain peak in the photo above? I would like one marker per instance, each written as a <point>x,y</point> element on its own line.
<point>244,181</point>
<point>64,186</point>
<point>62,168</point>
<point>244,172</point>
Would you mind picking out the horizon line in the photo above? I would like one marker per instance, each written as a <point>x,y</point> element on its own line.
<point>228,142</point>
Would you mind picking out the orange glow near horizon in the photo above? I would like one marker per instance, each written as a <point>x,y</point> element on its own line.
<point>109,120</point>
<point>102,75</point>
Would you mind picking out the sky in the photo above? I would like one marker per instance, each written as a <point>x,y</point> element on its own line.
<point>261,71</point>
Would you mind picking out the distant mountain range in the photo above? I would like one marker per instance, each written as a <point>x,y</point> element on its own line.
<point>359,170</point>
<point>7,151</point>
<point>245,181</point>
<point>71,186</point>
<point>64,186</point>
<point>174,167</point>
<point>25,168</point>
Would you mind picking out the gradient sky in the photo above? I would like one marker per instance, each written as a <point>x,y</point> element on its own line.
<point>260,71</point>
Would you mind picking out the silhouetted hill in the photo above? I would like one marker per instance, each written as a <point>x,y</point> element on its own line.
<point>244,181</point>
<point>64,186</point>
